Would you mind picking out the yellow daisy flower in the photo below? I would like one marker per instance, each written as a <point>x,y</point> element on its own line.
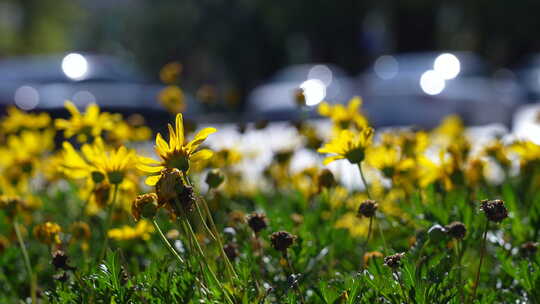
<point>85,125</point>
<point>176,154</point>
<point>345,117</point>
<point>97,163</point>
<point>17,120</point>
<point>348,145</point>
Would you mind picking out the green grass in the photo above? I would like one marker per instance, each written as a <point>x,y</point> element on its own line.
<point>327,262</point>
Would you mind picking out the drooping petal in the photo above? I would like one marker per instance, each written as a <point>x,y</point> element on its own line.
<point>149,169</point>
<point>200,137</point>
<point>201,155</point>
<point>152,180</point>
<point>330,159</point>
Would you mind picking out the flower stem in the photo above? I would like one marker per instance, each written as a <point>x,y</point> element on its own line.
<point>33,283</point>
<point>369,230</point>
<point>167,243</point>
<point>213,232</point>
<point>482,253</point>
<point>364,180</point>
<point>108,223</point>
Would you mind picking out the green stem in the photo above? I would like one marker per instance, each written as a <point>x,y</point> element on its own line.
<point>369,231</point>
<point>33,283</point>
<point>108,223</point>
<point>458,263</point>
<point>213,232</point>
<point>364,180</point>
<point>482,253</point>
<point>193,237</point>
<point>167,243</point>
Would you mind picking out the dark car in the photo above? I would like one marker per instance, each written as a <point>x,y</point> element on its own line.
<point>275,100</point>
<point>422,88</point>
<point>46,82</point>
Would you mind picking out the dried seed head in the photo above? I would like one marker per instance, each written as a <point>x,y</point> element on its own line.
<point>257,221</point>
<point>60,260</point>
<point>528,249</point>
<point>495,210</point>
<point>214,178</point>
<point>282,240</point>
<point>326,179</point>
<point>168,185</point>
<point>145,205</point>
<point>394,261</point>
<point>456,230</point>
<point>367,208</point>
<point>231,250</point>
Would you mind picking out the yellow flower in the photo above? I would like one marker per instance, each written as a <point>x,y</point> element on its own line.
<point>345,117</point>
<point>87,125</point>
<point>172,99</point>
<point>170,72</point>
<point>527,150</point>
<point>22,153</point>
<point>430,172</point>
<point>176,153</point>
<point>348,145</point>
<point>98,163</point>
<point>142,230</point>
<point>48,233</point>
<point>356,227</point>
<point>17,120</point>
<point>499,153</point>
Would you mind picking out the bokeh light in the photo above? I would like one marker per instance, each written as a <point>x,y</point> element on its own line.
<point>432,83</point>
<point>75,66</point>
<point>386,67</point>
<point>314,91</point>
<point>26,98</point>
<point>447,66</point>
<point>322,73</point>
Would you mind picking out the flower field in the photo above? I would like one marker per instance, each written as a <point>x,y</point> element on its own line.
<point>88,214</point>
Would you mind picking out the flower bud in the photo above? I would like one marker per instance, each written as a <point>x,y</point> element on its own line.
<point>145,206</point>
<point>394,261</point>
<point>368,208</point>
<point>214,178</point>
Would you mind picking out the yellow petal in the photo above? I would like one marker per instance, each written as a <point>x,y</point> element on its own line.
<point>201,155</point>
<point>162,145</point>
<point>179,124</point>
<point>330,159</point>
<point>200,137</point>
<point>147,160</point>
<point>72,109</point>
<point>152,180</point>
<point>149,169</point>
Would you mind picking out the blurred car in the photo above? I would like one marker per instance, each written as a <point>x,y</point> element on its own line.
<point>46,82</point>
<point>528,74</point>
<point>422,88</point>
<point>276,99</point>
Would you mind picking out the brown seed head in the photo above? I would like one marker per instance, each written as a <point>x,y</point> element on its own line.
<point>456,230</point>
<point>231,250</point>
<point>168,185</point>
<point>528,249</point>
<point>394,261</point>
<point>282,240</point>
<point>257,221</point>
<point>495,210</point>
<point>145,205</point>
<point>60,260</point>
<point>367,208</point>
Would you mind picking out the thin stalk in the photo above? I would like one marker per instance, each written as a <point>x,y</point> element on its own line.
<point>108,222</point>
<point>364,180</point>
<point>167,243</point>
<point>193,237</point>
<point>33,283</point>
<point>369,230</point>
<point>458,263</point>
<point>213,232</point>
<point>482,253</point>
<point>292,272</point>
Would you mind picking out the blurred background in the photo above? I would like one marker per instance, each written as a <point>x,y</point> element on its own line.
<point>412,62</point>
